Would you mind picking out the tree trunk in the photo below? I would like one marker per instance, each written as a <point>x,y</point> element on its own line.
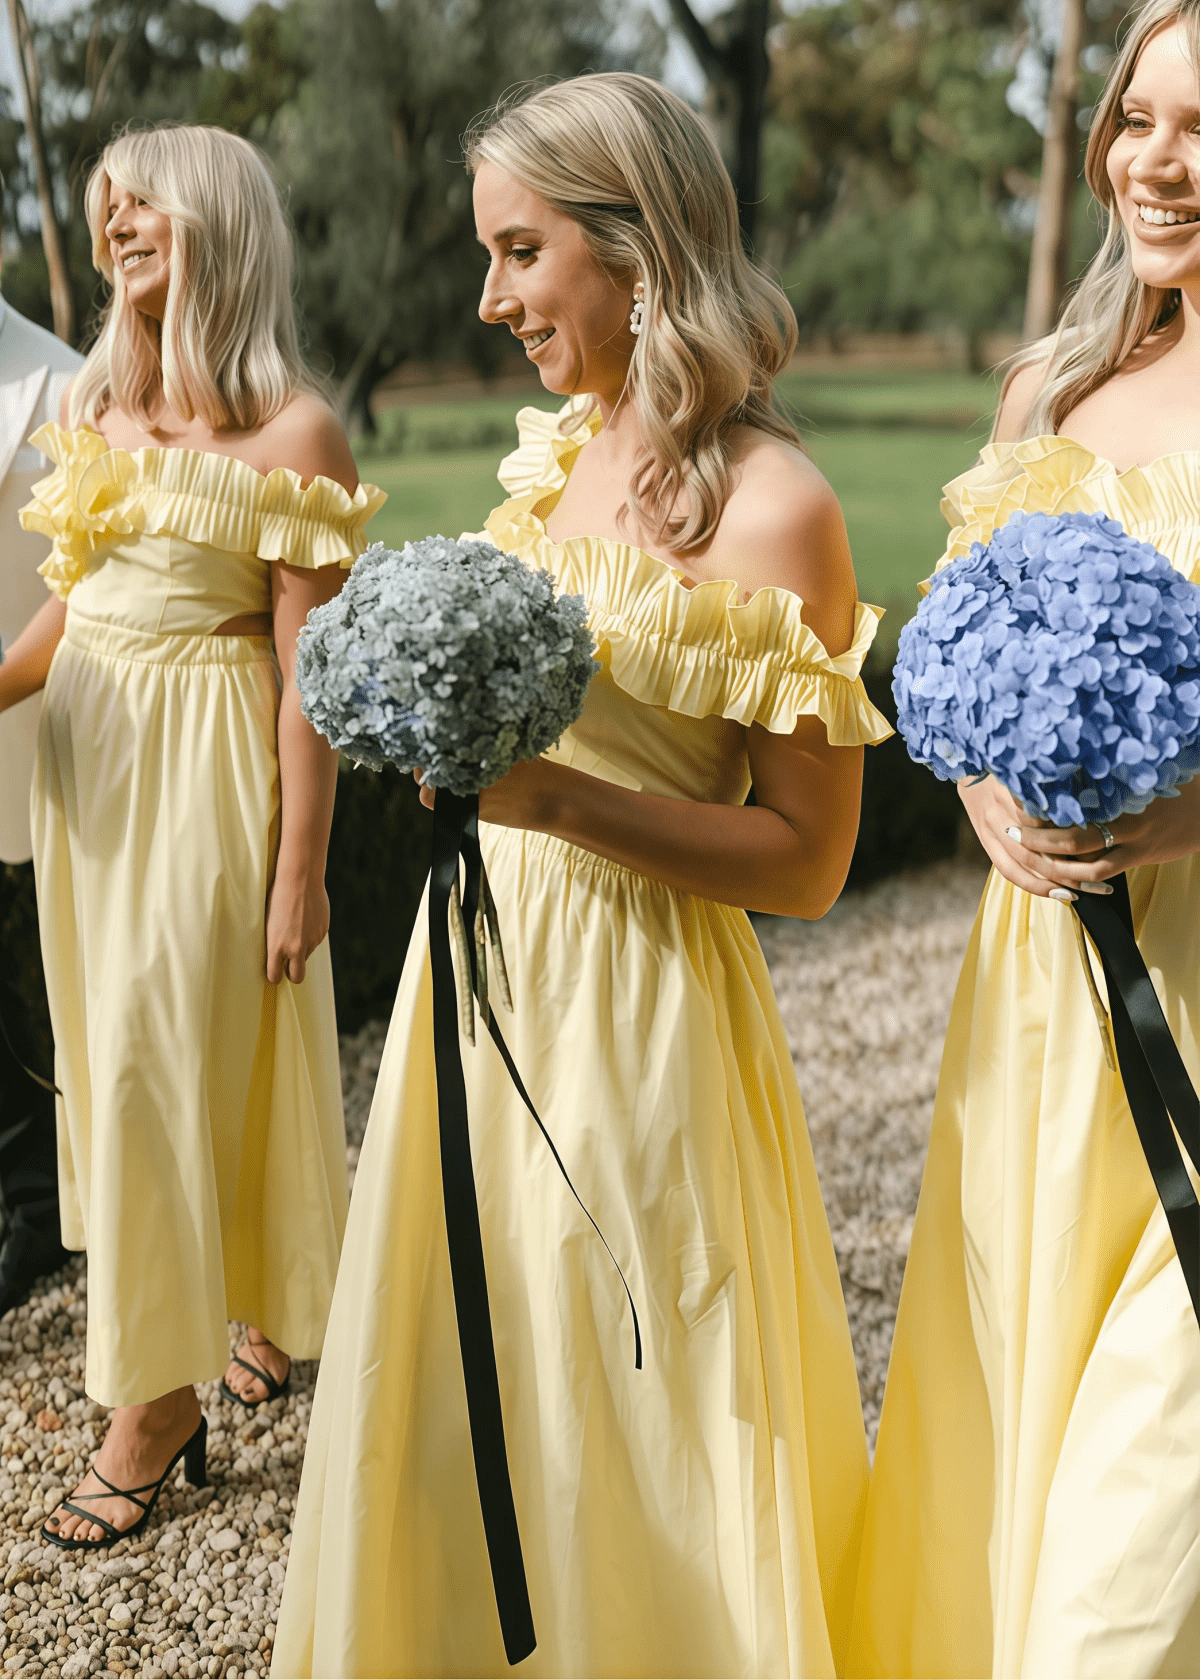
<point>742,68</point>
<point>62,300</point>
<point>1050,255</point>
<point>753,69</point>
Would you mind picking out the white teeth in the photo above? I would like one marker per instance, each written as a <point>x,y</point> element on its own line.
<point>532,342</point>
<point>1165,218</point>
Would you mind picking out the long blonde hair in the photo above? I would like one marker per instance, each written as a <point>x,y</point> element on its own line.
<point>639,173</point>
<point>1111,311</point>
<point>227,349</point>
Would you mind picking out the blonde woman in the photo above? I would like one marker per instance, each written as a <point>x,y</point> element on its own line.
<point>1035,1503</point>
<point>204,499</point>
<point>700,1516</point>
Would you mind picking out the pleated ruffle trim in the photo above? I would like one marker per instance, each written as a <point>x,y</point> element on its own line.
<point>96,492</point>
<point>697,650</point>
<point>1156,503</point>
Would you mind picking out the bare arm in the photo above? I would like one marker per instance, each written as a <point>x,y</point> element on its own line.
<point>310,441</point>
<point>787,855</point>
<point>298,906</point>
<point>26,664</point>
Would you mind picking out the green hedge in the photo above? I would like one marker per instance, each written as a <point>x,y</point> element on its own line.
<point>379,856</point>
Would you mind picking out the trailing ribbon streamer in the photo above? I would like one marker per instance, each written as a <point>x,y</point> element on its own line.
<point>46,1084</point>
<point>455,834</point>
<point>1156,1081</point>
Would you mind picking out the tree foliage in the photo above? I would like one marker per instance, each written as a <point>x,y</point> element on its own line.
<point>899,180</point>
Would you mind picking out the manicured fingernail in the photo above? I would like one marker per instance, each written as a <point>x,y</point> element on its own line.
<point>1102,888</point>
<point>1062,894</point>
<point>1013,833</point>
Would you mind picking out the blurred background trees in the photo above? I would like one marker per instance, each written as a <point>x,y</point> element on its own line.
<point>888,153</point>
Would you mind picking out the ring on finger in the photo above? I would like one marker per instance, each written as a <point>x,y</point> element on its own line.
<point>1106,834</point>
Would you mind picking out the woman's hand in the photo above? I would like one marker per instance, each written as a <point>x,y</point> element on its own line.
<point>525,798</point>
<point>1047,861</point>
<point>297,922</point>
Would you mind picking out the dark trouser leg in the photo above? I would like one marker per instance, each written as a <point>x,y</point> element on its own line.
<point>29,1236</point>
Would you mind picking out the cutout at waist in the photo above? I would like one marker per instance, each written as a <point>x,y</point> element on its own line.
<point>246,624</point>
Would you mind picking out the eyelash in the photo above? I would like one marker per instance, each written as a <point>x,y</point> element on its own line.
<point>522,252</point>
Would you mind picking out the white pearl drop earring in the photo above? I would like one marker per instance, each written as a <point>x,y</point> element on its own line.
<point>639,309</point>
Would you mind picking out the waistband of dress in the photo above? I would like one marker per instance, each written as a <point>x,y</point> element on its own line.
<point>149,647</point>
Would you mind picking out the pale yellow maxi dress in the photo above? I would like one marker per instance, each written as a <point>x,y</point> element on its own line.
<point>201,1146</point>
<point>701,1516</point>
<point>1035,1502</point>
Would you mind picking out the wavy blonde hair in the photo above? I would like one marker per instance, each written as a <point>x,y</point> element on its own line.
<point>227,349</point>
<point>638,171</point>
<point>1111,311</point>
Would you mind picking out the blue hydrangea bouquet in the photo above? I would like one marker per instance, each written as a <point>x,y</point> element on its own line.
<point>1063,658</point>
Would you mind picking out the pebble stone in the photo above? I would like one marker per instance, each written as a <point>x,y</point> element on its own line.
<point>865,994</point>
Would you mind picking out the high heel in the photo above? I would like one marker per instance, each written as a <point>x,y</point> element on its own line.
<point>193,1452</point>
<point>274,1390</point>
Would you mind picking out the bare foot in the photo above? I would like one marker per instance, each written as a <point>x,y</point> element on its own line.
<point>257,1350</point>
<point>141,1442</point>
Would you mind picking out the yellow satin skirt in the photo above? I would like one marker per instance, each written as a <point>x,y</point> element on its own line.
<point>201,1144</point>
<point>1035,1501</point>
<point>698,1517</point>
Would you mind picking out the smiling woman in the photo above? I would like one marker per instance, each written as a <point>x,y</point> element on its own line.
<point>204,499</point>
<point>698,1515</point>
<point>1035,1501</point>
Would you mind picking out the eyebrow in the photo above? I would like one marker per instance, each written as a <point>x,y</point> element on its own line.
<point>510,233</point>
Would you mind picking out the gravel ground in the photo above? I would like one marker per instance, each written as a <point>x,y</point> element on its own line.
<point>865,994</point>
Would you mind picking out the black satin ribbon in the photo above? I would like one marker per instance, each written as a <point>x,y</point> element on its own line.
<point>455,834</point>
<point>1156,1081</point>
<point>46,1084</point>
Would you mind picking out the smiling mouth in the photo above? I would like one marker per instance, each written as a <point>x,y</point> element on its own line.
<point>1165,218</point>
<point>132,258</point>
<point>536,339</point>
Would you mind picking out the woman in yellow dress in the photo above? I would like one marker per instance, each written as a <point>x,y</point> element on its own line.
<point>1035,1501</point>
<point>204,499</point>
<point>701,1515</point>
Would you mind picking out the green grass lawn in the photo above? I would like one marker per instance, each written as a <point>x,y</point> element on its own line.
<point>888,475</point>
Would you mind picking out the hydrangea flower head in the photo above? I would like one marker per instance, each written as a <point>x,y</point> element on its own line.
<point>1063,658</point>
<point>447,655</point>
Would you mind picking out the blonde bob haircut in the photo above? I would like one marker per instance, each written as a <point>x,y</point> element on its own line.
<point>1111,311</point>
<point>227,349</point>
<point>638,171</point>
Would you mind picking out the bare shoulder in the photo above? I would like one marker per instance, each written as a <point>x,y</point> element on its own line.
<point>307,438</point>
<point>783,528</point>
<point>1017,398</point>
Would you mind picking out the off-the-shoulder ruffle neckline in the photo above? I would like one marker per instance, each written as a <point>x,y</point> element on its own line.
<point>566,450</point>
<point>1051,443</point>
<point>150,454</point>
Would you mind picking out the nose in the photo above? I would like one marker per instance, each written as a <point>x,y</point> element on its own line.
<point>495,305</point>
<point>1160,159</point>
<point>119,225</point>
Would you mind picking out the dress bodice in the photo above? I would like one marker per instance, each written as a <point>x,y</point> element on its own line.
<point>684,670</point>
<point>176,541</point>
<point>1158,504</point>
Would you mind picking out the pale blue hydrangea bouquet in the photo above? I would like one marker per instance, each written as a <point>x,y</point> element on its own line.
<point>448,655</point>
<point>1063,658</point>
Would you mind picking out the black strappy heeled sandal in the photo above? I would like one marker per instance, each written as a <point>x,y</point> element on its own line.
<point>275,1390</point>
<point>192,1452</point>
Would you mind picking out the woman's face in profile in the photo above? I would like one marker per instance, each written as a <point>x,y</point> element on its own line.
<point>139,243</point>
<point>1154,162</point>
<point>544,283</point>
